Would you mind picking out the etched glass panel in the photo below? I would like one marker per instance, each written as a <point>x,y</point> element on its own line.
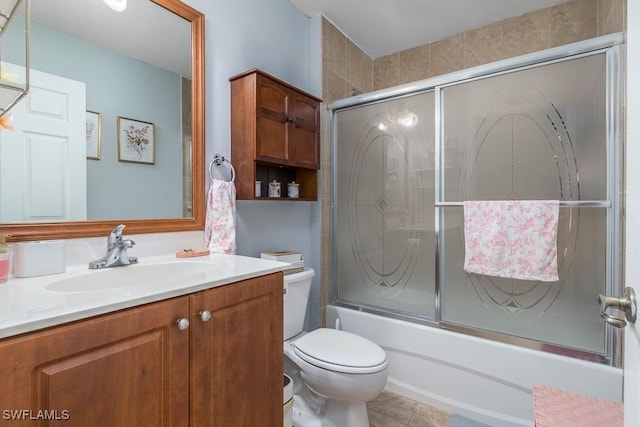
<point>384,231</point>
<point>533,134</point>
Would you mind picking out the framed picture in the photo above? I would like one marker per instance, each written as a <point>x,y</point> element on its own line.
<point>136,141</point>
<point>94,134</point>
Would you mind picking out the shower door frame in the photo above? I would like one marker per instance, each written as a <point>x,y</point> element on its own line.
<point>610,45</point>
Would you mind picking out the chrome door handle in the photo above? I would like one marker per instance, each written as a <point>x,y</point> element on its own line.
<point>625,303</point>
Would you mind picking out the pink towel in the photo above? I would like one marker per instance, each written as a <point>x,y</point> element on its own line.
<point>220,222</point>
<point>515,239</point>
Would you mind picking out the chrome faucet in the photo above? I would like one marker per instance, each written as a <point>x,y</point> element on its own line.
<point>116,251</point>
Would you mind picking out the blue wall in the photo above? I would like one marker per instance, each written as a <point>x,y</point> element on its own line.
<point>277,38</point>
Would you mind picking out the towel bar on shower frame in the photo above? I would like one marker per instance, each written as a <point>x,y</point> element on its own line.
<point>563,203</point>
<point>218,159</point>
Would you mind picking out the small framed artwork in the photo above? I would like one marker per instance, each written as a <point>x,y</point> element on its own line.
<point>94,134</point>
<point>136,141</point>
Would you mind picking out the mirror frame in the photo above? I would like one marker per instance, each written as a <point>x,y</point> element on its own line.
<point>77,229</point>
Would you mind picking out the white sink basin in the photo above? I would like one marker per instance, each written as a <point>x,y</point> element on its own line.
<point>137,275</point>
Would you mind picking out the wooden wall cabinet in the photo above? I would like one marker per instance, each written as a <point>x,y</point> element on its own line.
<point>137,368</point>
<point>275,135</point>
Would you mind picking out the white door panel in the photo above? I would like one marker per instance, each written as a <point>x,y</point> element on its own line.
<point>632,257</point>
<point>43,161</point>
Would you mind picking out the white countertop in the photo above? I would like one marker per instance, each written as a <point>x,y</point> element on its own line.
<point>26,304</point>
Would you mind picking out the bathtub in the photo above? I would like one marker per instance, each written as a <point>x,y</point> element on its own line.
<point>478,378</point>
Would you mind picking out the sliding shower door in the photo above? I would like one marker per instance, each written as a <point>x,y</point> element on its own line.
<point>384,186</point>
<point>533,134</point>
<point>538,128</point>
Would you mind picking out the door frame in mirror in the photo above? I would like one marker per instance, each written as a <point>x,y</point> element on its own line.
<point>77,229</point>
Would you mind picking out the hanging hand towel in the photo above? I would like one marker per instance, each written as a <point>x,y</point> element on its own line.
<point>220,222</point>
<point>512,238</point>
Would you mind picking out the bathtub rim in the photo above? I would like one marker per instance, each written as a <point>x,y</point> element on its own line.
<point>527,343</point>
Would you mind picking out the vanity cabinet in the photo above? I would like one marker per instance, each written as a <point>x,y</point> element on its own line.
<point>128,368</point>
<point>240,380</point>
<point>275,135</point>
<point>137,367</point>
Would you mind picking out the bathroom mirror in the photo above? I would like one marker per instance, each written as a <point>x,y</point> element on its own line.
<point>188,170</point>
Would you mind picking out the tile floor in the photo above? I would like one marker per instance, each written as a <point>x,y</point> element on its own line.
<point>392,410</point>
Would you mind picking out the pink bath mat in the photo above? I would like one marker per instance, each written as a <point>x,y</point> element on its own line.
<point>558,408</point>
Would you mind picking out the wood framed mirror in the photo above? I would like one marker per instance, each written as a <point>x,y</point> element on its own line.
<point>194,220</point>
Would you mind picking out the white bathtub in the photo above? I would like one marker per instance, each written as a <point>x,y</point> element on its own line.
<point>481,379</point>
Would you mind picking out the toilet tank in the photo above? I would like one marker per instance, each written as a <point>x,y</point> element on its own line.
<point>296,297</point>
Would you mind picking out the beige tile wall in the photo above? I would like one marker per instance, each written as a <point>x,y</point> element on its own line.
<point>564,23</point>
<point>346,68</point>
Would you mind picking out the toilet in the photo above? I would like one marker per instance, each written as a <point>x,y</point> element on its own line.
<point>334,372</point>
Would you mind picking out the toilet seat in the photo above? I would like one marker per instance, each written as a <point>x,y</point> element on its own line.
<point>340,351</point>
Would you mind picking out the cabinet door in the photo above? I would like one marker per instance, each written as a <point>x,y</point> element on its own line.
<point>273,120</point>
<point>237,365</point>
<point>305,136</point>
<point>124,369</point>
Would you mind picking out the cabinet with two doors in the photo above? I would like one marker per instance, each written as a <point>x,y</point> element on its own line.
<point>212,358</point>
<point>275,135</point>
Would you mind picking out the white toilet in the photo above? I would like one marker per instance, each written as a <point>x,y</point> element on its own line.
<point>334,372</point>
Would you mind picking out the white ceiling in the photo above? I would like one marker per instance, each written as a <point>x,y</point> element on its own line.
<point>146,39</point>
<point>381,27</point>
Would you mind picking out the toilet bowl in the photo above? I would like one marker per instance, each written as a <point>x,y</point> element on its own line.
<point>334,372</point>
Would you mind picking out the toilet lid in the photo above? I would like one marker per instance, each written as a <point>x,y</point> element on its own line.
<point>340,351</point>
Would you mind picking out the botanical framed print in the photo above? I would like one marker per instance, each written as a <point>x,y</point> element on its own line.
<point>94,134</point>
<point>136,141</point>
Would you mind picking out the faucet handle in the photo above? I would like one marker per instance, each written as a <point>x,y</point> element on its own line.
<point>115,238</point>
<point>117,231</point>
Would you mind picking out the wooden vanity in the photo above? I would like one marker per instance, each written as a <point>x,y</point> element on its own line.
<point>208,358</point>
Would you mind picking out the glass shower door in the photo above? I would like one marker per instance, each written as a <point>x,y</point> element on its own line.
<point>537,134</point>
<point>384,193</point>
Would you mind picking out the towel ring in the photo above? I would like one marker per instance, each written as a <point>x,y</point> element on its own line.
<point>218,159</point>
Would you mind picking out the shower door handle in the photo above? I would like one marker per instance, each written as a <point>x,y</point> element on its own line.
<point>625,303</point>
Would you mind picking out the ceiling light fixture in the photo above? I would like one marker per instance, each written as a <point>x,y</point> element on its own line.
<point>117,5</point>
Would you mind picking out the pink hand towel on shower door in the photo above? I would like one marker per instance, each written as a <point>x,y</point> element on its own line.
<point>220,222</point>
<point>515,239</point>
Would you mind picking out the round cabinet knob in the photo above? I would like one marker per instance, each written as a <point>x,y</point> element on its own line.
<point>205,315</point>
<point>183,323</point>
